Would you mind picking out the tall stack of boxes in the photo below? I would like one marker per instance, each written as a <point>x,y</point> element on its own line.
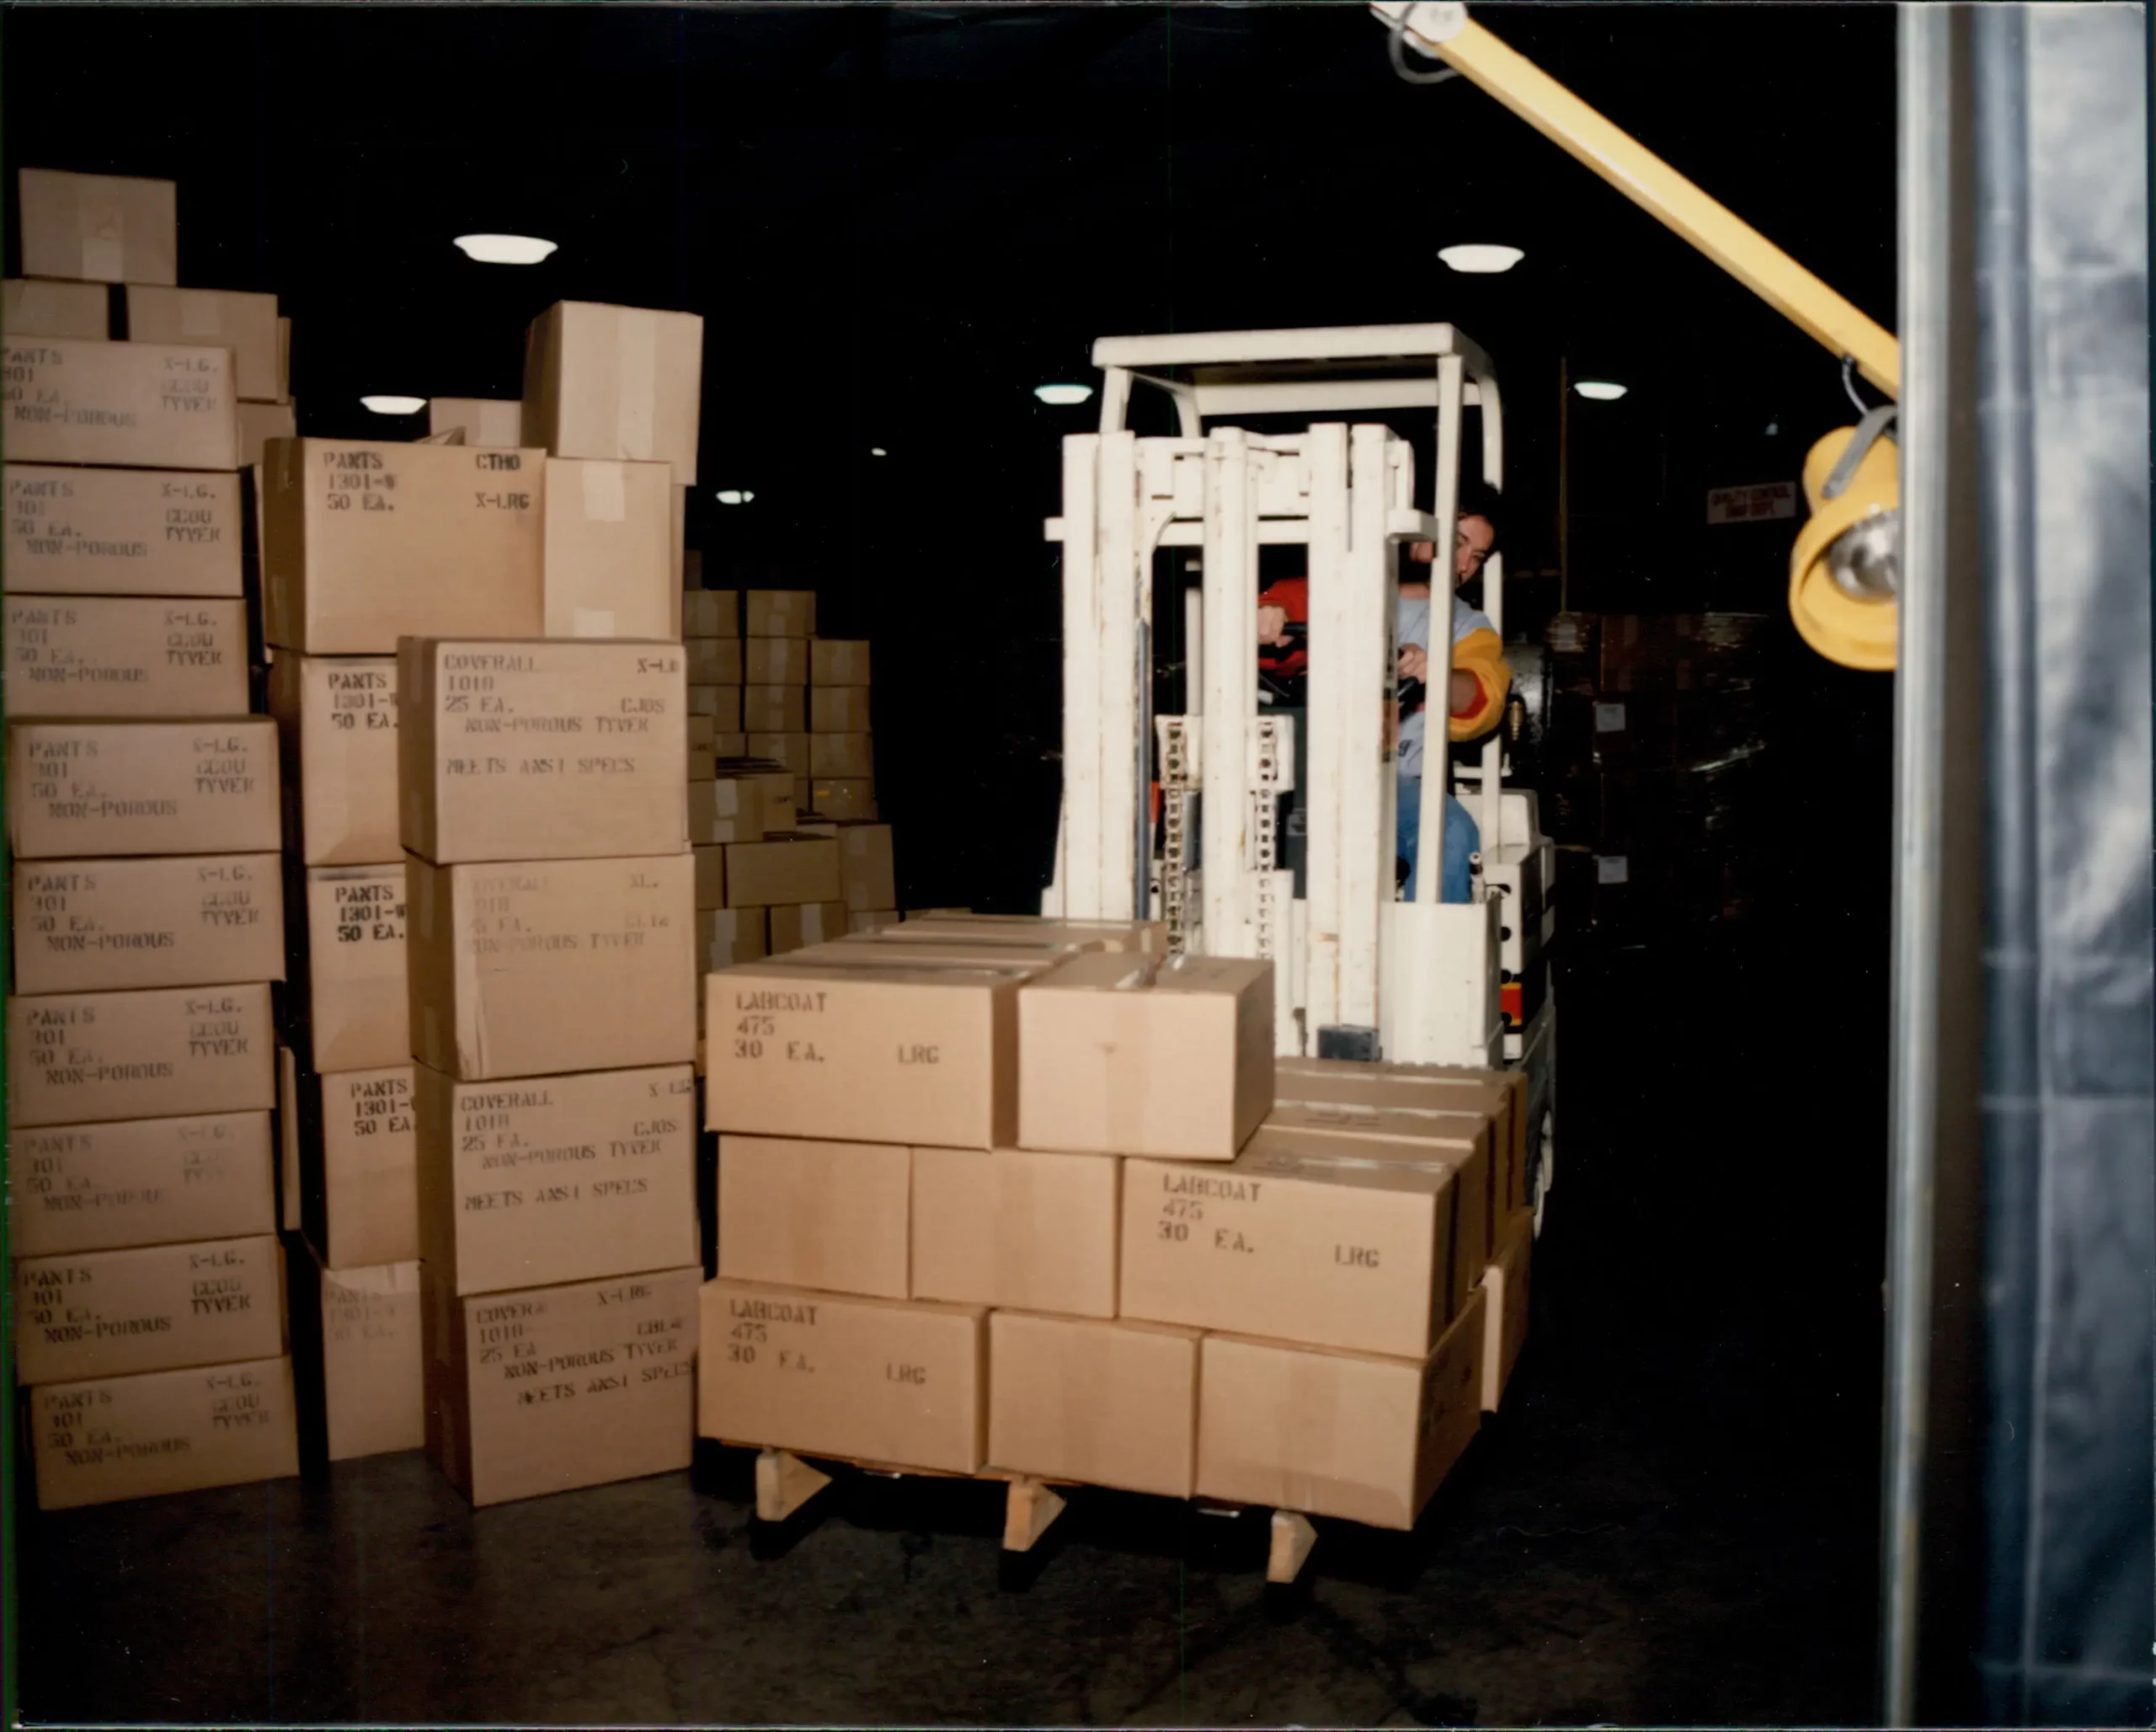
<point>551,972</point>
<point>142,817</point>
<point>1655,749</point>
<point>1029,1198</point>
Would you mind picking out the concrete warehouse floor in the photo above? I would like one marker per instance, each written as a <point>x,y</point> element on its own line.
<point>1673,1522</point>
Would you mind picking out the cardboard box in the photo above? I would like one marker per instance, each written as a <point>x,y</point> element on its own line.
<point>354,1013</point>
<point>1354,1435</point>
<point>559,1386</point>
<point>528,970</point>
<point>873,920</point>
<point>867,877</point>
<point>1503,1094</point>
<point>1102,1403</point>
<point>568,1177</point>
<point>490,422</point>
<point>927,1051</point>
<point>783,613</point>
<point>33,306</point>
<point>711,614</point>
<point>774,710</point>
<point>337,730</point>
<point>791,750</point>
<point>718,661</point>
<point>109,1314</point>
<point>841,755</point>
<point>838,710</point>
<point>609,550</point>
<point>727,936</point>
<point>259,424</point>
<point>896,1383</point>
<point>1004,1227</point>
<point>105,228</point>
<point>360,1165</point>
<point>366,1322</point>
<point>726,809</point>
<point>131,655</point>
<point>1465,1141</point>
<point>1351,1254</point>
<point>839,662</point>
<point>777,786</point>
<point>1123,1055</point>
<point>76,1057</point>
<point>75,532</point>
<point>782,869</point>
<point>133,405</point>
<point>847,799</point>
<point>721,708</point>
<point>806,1214</point>
<point>1033,932</point>
<point>774,661</point>
<point>794,925</point>
<point>731,743</point>
<point>620,382</point>
<point>111,1439</point>
<point>141,1182</point>
<point>1505,1300</point>
<point>93,926</point>
<point>703,732</point>
<point>222,318</point>
<point>537,751</point>
<point>370,541</point>
<point>83,789</point>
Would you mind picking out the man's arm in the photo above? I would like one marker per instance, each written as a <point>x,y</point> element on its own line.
<point>1480,680</point>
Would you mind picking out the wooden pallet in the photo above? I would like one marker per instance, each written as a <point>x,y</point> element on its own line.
<point>785,1484</point>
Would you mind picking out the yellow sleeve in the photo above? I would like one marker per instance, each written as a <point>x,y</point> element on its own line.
<point>1480,652</point>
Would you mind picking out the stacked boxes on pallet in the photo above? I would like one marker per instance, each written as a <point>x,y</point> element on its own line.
<point>551,895</point>
<point>1656,753</point>
<point>1017,1196</point>
<point>142,816</point>
<point>842,787</point>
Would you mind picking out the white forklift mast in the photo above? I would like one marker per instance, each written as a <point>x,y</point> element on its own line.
<point>1359,973</point>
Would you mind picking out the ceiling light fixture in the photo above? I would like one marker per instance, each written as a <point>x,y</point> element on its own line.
<point>877,450</point>
<point>505,249</point>
<point>394,405</point>
<point>1063,396</point>
<point>1477,260</point>
<point>734,495</point>
<point>1600,390</point>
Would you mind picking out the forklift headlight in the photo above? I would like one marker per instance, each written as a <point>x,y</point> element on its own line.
<point>1845,568</point>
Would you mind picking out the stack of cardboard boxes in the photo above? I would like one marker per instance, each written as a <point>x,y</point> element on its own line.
<point>774,873</point>
<point>551,972</point>
<point>1018,1197</point>
<point>1655,750</point>
<point>142,815</point>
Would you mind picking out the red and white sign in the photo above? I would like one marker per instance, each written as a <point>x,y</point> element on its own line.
<point>1750,504</point>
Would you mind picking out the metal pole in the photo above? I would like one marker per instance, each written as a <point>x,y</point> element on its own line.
<point>1919,733</point>
<point>1563,484</point>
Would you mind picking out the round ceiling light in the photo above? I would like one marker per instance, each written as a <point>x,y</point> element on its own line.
<point>505,249</point>
<point>1063,396</point>
<point>734,495</point>
<point>1600,390</point>
<point>1477,260</point>
<point>877,450</point>
<point>394,405</point>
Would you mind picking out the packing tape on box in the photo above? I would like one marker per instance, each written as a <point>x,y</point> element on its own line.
<point>198,314</point>
<point>101,225</point>
<point>1306,1427</point>
<point>637,364</point>
<point>380,1280</point>
<point>604,492</point>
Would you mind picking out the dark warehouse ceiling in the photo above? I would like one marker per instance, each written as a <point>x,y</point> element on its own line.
<point>898,221</point>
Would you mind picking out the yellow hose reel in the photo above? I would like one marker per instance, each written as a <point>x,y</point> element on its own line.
<point>1845,568</point>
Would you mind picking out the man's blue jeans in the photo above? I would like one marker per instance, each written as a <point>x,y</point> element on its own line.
<point>1462,839</point>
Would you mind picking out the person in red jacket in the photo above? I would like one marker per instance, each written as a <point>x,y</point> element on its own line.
<point>1477,682</point>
